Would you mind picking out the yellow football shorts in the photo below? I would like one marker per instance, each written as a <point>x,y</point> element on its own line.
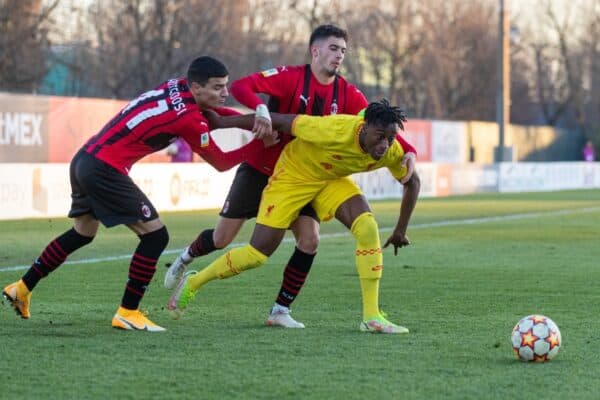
<point>284,197</point>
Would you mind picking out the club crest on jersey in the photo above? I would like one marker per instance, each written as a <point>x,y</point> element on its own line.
<point>204,139</point>
<point>226,206</point>
<point>146,211</point>
<point>269,72</point>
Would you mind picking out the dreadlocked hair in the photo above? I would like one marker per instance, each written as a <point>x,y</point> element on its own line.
<point>382,113</point>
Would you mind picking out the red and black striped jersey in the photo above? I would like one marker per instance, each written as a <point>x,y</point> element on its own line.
<point>155,119</point>
<point>286,85</point>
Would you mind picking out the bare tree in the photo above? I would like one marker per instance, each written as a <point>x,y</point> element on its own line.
<point>455,76</point>
<point>24,43</point>
<point>591,47</point>
<point>135,44</point>
<point>562,62</point>
<point>264,39</point>
<point>387,41</point>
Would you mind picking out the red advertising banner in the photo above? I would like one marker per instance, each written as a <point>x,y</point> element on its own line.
<point>73,120</point>
<point>418,133</point>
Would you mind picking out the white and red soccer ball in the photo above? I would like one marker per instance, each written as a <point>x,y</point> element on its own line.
<point>536,338</point>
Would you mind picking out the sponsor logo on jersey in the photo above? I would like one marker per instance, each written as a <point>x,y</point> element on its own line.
<point>269,72</point>
<point>204,139</point>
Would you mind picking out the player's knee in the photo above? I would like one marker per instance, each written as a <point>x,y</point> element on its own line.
<point>222,242</point>
<point>308,243</point>
<point>254,258</point>
<point>157,240</point>
<point>365,229</point>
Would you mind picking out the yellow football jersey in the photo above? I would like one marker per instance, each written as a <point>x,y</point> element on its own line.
<point>328,148</point>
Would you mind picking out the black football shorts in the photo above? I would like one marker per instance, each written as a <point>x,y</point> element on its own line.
<point>101,190</point>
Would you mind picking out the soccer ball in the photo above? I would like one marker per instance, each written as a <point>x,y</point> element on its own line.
<point>535,338</point>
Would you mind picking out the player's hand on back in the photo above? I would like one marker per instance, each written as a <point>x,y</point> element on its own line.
<point>398,240</point>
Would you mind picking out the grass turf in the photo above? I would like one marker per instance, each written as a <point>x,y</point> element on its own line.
<point>460,288</point>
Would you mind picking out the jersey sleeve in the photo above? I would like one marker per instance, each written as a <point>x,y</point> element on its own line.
<point>271,82</point>
<point>222,161</point>
<point>199,138</point>
<point>355,100</point>
<point>408,148</point>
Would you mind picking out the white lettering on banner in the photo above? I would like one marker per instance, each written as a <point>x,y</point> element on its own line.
<point>20,129</point>
<point>11,193</point>
<point>195,187</point>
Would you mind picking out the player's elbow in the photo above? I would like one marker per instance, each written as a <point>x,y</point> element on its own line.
<point>414,183</point>
<point>222,167</point>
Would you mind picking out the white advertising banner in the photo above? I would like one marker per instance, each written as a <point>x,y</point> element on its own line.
<point>381,184</point>
<point>183,186</point>
<point>449,142</point>
<point>533,177</point>
<point>474,178</point>
<point>43,190</point>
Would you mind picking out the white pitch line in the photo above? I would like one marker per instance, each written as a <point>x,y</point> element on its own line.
<point>469,221</point>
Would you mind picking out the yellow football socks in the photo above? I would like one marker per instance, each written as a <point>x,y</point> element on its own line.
<point>369,261</point>
<point>230,264</point>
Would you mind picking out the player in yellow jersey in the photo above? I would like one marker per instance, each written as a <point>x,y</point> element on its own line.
<point>314,168</point>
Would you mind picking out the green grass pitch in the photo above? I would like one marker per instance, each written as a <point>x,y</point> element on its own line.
<point>477,264</point>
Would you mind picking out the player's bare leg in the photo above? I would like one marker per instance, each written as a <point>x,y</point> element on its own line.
<point>207,241</point>
<point>263,243</point>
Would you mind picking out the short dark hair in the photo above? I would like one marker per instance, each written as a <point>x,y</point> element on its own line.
<point>382,113</point>
<point>205,67</point>
<point>325,31</point>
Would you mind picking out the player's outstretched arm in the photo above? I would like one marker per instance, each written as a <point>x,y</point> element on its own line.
<point>224,160</point>
<point>216,121</point>
<point>398,237</point>
<point>280,122</point>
